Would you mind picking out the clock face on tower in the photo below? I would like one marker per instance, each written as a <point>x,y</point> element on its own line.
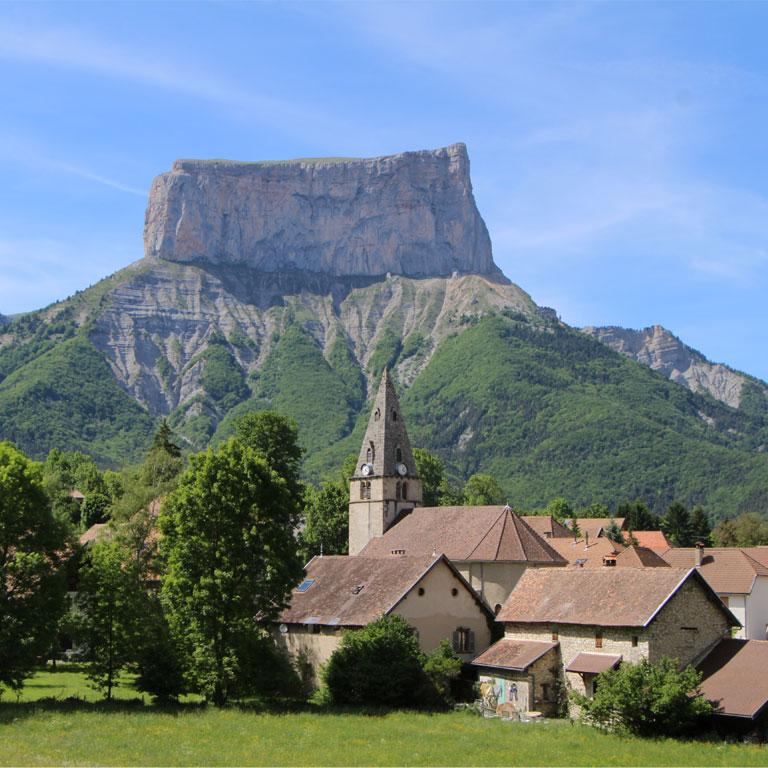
<point>402,470</point>
<point>366,469</point>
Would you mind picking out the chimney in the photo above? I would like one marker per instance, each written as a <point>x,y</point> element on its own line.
<point>699,553</point>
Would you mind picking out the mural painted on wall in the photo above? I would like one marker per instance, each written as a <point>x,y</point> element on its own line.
<point>500,695</point>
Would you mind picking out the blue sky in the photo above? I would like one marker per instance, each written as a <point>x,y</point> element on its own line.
<point>619,151</point>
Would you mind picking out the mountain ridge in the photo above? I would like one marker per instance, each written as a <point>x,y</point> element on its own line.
<point>488,379</point>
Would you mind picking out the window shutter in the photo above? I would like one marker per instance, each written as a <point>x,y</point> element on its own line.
<point>470,640</point>
<point>456,641</point>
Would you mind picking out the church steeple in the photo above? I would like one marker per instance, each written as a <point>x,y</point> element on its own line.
<point>386,448</point>
<point>385,483</point>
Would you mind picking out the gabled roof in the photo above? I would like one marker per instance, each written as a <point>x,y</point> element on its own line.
<point>385,434</point>
<point>729,570</point>
<point>606,597</point>
<point>652,540</point>
<point>594,526</point>
<point>517,655</point>
<point>757,553</point>
<point>734,677</point>
<point>547,526</point>
<point>354,591</point>
<point>640,557</point>
<point>465,533</point>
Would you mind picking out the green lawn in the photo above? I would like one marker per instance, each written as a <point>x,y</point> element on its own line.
<point>45,733</point>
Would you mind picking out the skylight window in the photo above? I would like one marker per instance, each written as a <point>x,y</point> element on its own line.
<point>305,585</point>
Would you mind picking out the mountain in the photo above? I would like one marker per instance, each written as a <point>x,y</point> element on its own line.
<point>291,285</point>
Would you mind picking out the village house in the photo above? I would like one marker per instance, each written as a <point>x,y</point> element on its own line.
<point>341,593</point>
<point>737,577</point>
<point>655,540</point>
<point>563,627</point>
<point>591,528</point>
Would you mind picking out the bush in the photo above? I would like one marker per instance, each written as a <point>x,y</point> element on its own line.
<point>646,699</point>
<point>441,667</point>
<point>380,664</point>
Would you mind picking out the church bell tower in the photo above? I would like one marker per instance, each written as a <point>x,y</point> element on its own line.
<point>385,483</point>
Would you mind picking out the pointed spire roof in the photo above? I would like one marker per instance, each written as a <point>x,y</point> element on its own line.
<point>386,437</point>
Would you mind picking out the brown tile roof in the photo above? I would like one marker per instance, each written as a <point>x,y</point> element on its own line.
<point>547,526</point>
<point>640,557</point>
<point>757,553</point>
<point>652,540</point>
<point>734,677</point>
<point>594,526</point>
<point>579,553</point>
<point>592,663</point>
<point>729,570</point>
<point>513,654</point>
<point>96,532</point>
<point>354,591</point>
<point>465,533</point>
<point>608,597</point>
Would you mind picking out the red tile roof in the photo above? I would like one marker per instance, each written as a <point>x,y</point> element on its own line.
<point>734,677</point>
<point>608,597</point>
<point>465,533</point>
<point>652,540</point>
<point>354,591</point>
<point>729,570</point>
<point>512,654</point>
<point>592,663</point>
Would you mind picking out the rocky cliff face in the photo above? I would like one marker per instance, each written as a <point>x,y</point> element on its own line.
<point>662,351</point>
<point>409,214</point>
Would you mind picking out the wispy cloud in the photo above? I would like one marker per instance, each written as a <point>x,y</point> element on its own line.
<point>70,47</point>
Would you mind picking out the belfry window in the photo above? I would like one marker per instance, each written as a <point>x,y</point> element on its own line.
<point>376,415</point>
<point>399,490</point>
<point>370,454</point>
<point>365,489</point>
<point>394,415</point>
<point>398,455</point>
<point>405,490</point>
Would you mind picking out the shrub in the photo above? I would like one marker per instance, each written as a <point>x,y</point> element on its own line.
<point>380,664</point>
<point>441,667</point>
<point>646,700</point>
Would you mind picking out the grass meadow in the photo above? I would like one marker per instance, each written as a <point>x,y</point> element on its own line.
<point>44,727</point>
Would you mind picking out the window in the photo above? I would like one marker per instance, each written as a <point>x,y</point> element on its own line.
<point>376,415</point>
<point>497,609</point>
<point>455,592</point>
<point>394,415</point>
<point>399,490</point>
<point>691,635</point>
<point>365,489</point>
<point>421,591</point>
<point>305,585</point>
<point>398,455</point>
<point>464,640</point>
<point>315,629</point>
<point>555,635</point>
<point>362,489</point>
<point>370,454</point>
<point>634,641</point>
<point>545,691</point>
<point>405,490</point>
<point>599,639</point>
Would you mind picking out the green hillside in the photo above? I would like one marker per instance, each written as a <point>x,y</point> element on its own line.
<point>66,397</point>
<point>548,410</point>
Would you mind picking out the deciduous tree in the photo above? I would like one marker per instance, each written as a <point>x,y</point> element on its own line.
<point>481,490</point>
<point>231,556</point>
<point>32,550</point>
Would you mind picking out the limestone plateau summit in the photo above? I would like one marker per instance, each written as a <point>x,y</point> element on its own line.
<point>409,214</point>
